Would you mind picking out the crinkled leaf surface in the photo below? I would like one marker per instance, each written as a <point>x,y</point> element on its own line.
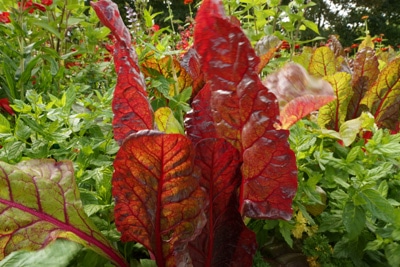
<point>191,63</point>
<point>365,73</point>
<point>199,122</point>
<point>383,98</point>
<point>300,107</point>
<point>132,110</point>
<point>332,115</point>
<point>245,114</point>
<point>158,201</point>
<point>322,62</point>
<point>225,240</point>
<point>39,202</point>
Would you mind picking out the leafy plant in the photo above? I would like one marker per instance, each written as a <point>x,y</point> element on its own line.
<point>159,173</point>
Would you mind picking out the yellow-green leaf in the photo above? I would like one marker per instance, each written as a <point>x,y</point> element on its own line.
<point>322,62</point>
<point>166,122</point>
<point>332,115</point>
<point>383,97</point>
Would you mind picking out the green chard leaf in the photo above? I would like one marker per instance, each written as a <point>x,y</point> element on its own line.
<point>383,98</point>
<point>322,62</point>
<point>332,115</point>
<point>39,202</point>
<point>365,73</point>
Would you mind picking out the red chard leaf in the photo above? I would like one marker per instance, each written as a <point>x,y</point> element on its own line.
<point>365,72</point>
<point>300,107</point>
<point>225,240</point>
<point>245,114</point>
<point>158,200</point>
<point>383,98</point>
<point>191,63</point>
<point>199,121</point>
<point>39,202</point>
<point>132,110</point>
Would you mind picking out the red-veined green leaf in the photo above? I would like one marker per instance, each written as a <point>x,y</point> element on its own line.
<point>39,202</point>
<point>158,200</point>
<point>365,73</point>
<point>332,115</point>
<point>245,114</point>
<point>322,62</point>
<point>383,98</point>
<point>132,110</point>
<point>225,240</point>
<point>199,122</point>
<point>300,107</point>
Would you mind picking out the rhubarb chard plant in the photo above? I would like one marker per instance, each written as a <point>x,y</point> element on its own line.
<point>238,149</point>
<point>182,184</point>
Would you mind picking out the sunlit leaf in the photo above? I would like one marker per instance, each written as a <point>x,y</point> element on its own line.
<point>132,110</point>
<point>225,240</point>
<point>383,98</point>
<point>245,114</point>
<point>158,201</point>
<point>365,73</point>
<point>351,128</point>
<point>300,107</point>
<point>39,202</point>
<point>265,58</point>
<point>166,122</point>
<point>170,68</point>
<point>367,42</point>
<point>332,115</point>
<point>322,62</point>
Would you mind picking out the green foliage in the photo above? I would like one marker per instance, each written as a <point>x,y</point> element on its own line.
<point>57,74</point>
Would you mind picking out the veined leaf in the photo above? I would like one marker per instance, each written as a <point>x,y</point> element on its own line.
<point>132,110</point>
<point>199,121</point>
<point>300,107</point>
<point>166,122</point>
<point>158,200</point>
<point>365,73</point>
<point>245,114</point>
<point>353,219</point>
<point>225,240</point>
<point>191,63</point>
<point>39,202</point>
<point>170,68</point>
<point>322,62</point>
<point>383,98</point>
<point>378,205</point>
<point>333,114</point>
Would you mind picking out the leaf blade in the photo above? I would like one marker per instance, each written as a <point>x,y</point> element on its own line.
<point>37,191</point>
<point>219,162</point>
<point>132,110</point>
<point>245,114</point>
<point>158,199</point>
